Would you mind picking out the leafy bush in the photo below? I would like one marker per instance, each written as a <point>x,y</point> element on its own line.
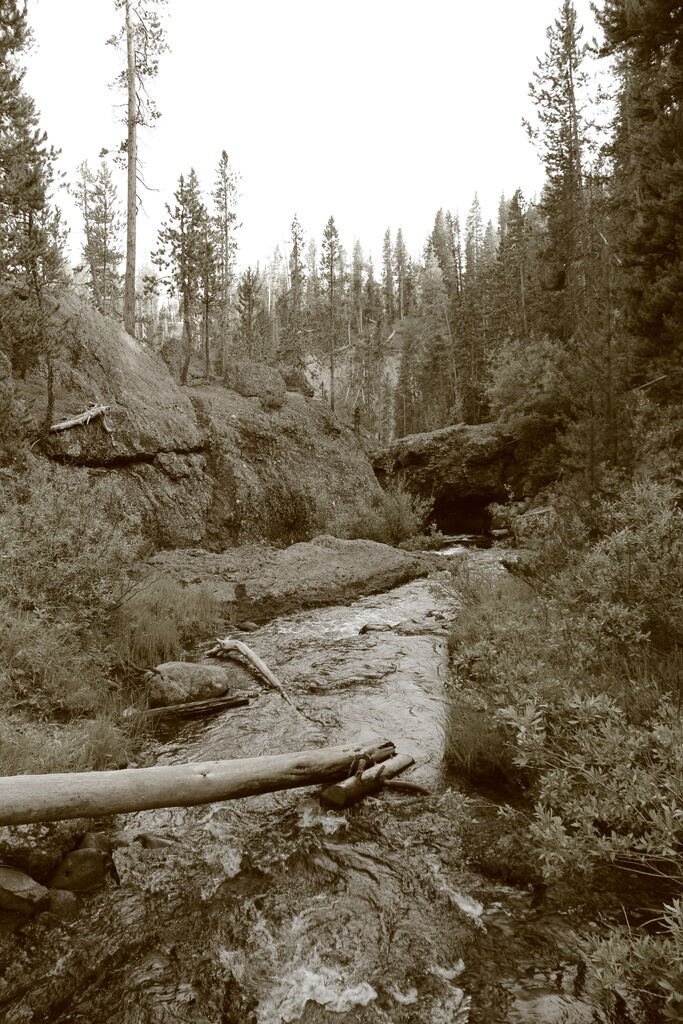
<point>390,518</point>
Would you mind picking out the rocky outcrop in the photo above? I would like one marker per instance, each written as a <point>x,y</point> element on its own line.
<point>202,465</point>
<point>460,468</point>
<point>260,583</point>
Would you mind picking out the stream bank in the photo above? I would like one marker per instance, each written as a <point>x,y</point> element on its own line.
<point>269,910</point>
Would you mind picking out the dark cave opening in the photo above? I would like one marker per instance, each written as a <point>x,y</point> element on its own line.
<point>453,515</point>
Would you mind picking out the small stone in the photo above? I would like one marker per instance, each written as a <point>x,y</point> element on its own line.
<point>63,903</point>
<point>152,842</point>
<point>82,870</point>
<point>19,892</point>
<point>96,841</point>
<point>248,627</point>
<point>375,627</point>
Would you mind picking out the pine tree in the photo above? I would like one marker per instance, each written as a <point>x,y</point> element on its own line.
<point>401,274</point>
<point>561,134</point>
<point>96,198</point>
<point>225,196</point>
<point>293,302</point>
<point>251,313</point>
<point>31,236</point>
<point>180,254</point>
<point>388,278</point>
<point>330,276</point>
<point>645,40</point>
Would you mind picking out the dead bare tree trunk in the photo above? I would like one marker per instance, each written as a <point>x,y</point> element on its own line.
<point>29,798</point>
<point>132,196</point>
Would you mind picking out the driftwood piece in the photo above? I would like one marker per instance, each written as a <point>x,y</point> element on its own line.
<point>29,798</point>
<point>82,418</point>
<point>196,708</point>
<point>228,645</point>
<point>351,790</point>
<point>405,786</point>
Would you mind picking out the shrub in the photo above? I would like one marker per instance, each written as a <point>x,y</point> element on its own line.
<point>578,666</point>
<point>390,518</point>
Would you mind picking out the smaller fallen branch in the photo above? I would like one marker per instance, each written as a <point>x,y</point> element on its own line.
<point>197,708</point>
<point>404,786</point>
<point>363,783</point>
<point>228,645</point>
<point>80,420</point>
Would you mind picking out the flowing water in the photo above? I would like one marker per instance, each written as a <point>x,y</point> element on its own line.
<point>272,910</point>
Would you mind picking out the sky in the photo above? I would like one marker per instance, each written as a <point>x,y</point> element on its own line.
<point>376,112</point>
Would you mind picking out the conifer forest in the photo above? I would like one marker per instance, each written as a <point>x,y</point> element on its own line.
<point>165,406</point>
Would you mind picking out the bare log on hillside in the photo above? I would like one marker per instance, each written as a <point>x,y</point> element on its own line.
<point>228,645</point>
<point>30,798</point>
<point>351,790</point>
<point>77,421</point>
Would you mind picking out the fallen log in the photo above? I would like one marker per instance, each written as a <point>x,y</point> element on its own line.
<point>196,708</point>
<point>351,790</point>
<point>30,798</point>
<point>82,418</point>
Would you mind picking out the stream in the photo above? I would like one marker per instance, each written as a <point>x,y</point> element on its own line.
<point>269,909</point>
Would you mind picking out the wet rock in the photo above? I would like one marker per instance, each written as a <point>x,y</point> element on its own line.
<point>248,627</point>
<point>96,841</point>
<point>177,682</point>
<point>418,627</point>
<point>82,871</point>
<point>148,841</point>
<point>19,893</point>
<point>375,627</point>
<point>38,849</point>
<point>62,903</point>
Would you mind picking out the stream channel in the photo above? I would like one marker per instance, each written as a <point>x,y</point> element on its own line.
<point>271,910</point>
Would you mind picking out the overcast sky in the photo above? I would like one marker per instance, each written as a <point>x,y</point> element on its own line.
<point>375,111</point>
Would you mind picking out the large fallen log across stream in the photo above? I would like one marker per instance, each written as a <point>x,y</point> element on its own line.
<point>30,798</point>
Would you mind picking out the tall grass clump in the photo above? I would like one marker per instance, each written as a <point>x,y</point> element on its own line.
<point>575,661</point>
<point>154,622</point>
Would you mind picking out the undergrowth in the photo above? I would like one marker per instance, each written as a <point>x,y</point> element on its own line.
<point>389,517</point>
<point>568,682</point>
<point>71,623</point>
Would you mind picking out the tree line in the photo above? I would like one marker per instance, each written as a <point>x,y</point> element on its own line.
<point>548,319</point>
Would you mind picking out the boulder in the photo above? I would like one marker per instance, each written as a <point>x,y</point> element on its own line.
<point>461,469</point>
<point>19,893</point>
<point>255,380</point>
<point>177,682</point>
